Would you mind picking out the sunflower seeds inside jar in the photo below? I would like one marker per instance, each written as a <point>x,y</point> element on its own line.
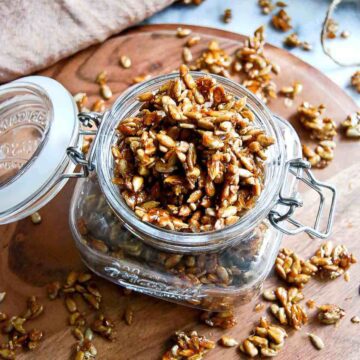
<point>194,153</point>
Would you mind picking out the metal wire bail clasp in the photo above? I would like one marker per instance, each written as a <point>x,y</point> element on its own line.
<point>300,169</point>
<point>76,155</point>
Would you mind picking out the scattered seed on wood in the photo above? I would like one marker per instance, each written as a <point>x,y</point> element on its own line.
<point>182,32</point>
<point>125,61</point>
<point>187,55</point>
<point>36,218</point>
<point>269,295</point>
<point>53,290</point>
<point>316,341</point>
<point>84,277</point>
<point>71,304</point>
<point>106,92</point>
<point>310,304</point>
<point>101,78</point>
<point>193,40</point>
<point>228,341</point>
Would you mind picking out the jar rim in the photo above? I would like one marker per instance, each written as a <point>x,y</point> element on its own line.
<point>173,240</point>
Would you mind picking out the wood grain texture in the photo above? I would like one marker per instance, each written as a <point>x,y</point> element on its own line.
<point>32,255</point>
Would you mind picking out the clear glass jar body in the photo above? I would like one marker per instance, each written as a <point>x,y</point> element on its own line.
<point>213,279</point>
<point>211,271</point>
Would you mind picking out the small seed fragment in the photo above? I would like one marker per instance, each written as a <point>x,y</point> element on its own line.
<point>106,92</point>
<point>228,341</point>
<point>316,341</point>
<point>84,277</point>
<point>70,304</point>
<point>187,55</point>
<point>125,61</point>
<point>182,32</point>
<point>53,290</point>
<point>193,40</point>
<point>269,295</point>
<point>36,218</point>
<point>101,77</point>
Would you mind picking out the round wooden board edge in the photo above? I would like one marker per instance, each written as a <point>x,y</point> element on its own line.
<point>240,37</point>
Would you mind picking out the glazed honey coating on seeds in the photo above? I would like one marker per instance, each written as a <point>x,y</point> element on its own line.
<point>192,159</point>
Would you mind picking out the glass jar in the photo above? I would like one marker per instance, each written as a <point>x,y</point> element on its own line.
<point>210,270</point>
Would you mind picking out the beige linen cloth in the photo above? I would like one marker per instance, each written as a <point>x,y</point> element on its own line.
<point>36,33</point>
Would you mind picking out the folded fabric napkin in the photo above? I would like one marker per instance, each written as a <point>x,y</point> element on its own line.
<point>37,33</point>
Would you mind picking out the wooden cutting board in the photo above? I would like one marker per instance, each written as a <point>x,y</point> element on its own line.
<point>33,255</point>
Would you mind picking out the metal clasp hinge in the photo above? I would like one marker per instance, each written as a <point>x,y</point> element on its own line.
<point>76,155</point>
<point>301,170</point>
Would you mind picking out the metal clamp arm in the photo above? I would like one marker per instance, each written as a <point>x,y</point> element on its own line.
<point>301,170</point>
<point>76,155</point>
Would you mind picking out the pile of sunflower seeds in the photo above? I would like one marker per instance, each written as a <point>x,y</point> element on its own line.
<point>330,314</point>
<point>188,346</point>
<point>292,269</point>
<point>322,129</point>
<point>257,68</point>
<point>289,312</point>
<point>292,41</point>
<point>281,21</point>
<point>13,328</point>
<point>355,81</point>
<point>328,262</point>
<point>267,341</point>
<point>332,261</point>
<point>76,286</point>
<point>191,160</point>
<point>351,125</point>
<point>214,60</point>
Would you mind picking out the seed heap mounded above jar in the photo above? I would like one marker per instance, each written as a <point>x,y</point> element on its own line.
<point>192,159</point>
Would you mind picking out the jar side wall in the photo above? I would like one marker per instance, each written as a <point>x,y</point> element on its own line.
<point>208,280</point>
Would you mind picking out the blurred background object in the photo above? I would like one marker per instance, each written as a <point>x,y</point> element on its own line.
<point>36,34</point>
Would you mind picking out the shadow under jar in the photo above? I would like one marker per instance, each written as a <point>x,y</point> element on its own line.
<point>209,270</point>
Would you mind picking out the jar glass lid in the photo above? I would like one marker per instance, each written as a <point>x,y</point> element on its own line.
<point>37,124</point>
